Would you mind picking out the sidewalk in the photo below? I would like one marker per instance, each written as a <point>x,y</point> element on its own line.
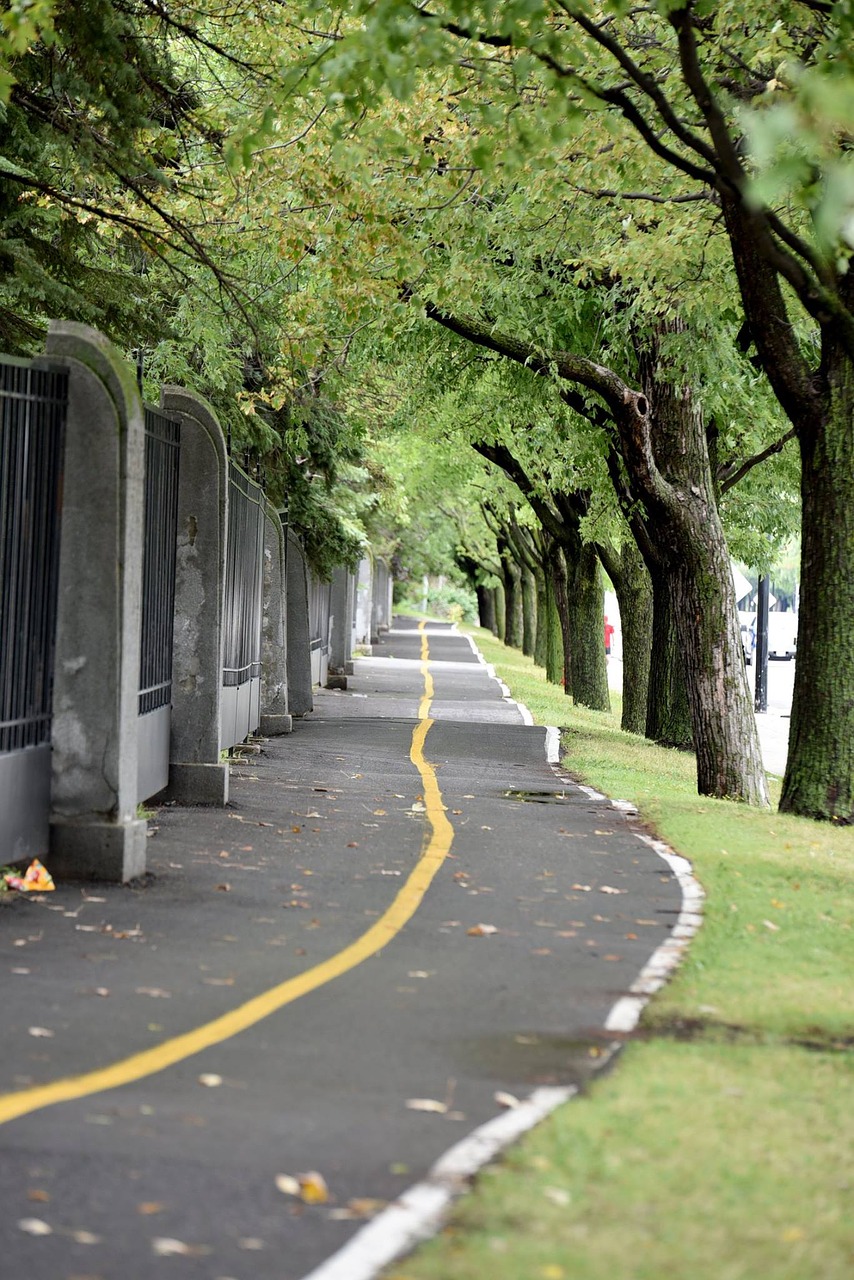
<point>260,1036</point>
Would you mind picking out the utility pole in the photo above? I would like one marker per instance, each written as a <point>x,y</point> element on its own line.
<point>760,701</point>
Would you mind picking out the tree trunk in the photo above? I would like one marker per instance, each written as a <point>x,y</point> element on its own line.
<point>586,617</point>
<point>633,589</point>
<point>541,644</point>
<point>819,780</point>
<point>561,597</point>
<point>529,612</point>
<point>554,637</point>
<point>500,611</point>
<point>672,465</point>
<point>668,715</point>
<point>512,575</point>
<point>486,609</point>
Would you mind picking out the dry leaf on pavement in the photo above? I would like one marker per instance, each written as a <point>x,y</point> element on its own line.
<point>481,930</point>
<point>427,1104</point>
<point>35,1227</point>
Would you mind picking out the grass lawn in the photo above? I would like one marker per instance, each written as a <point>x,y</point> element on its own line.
<point>722,1145</point>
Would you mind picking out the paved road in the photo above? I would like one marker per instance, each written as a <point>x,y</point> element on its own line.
<point>174,1172</point>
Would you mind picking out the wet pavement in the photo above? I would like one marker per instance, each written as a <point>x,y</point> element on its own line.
<point>540,917</point>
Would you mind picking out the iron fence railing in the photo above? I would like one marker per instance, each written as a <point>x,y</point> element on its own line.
<point>32,421</point>
<point>243,581</point>
<point>319,607</point>
<point>162,454</point>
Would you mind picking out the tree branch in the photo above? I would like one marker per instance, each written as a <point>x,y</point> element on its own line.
<point>730,474</point>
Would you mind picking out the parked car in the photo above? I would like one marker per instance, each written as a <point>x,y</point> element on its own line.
<point>782,635</point>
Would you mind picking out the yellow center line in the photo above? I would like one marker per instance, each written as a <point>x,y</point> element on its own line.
<point>437,843</point>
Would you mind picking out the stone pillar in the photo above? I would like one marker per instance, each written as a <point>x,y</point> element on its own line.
<point>300,700</point>
<point>94,832</point>
<point>340,651</point>
<point>364,602</point>
<point>275,713</point>
<point>196,773</point>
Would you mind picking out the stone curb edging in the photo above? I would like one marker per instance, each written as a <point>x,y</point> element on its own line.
<point>421,1211</point>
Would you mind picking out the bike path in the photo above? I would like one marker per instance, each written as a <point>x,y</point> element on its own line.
<point>543,911</point>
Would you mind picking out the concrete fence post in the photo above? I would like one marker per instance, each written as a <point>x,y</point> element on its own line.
<point>94,830</point>
<point>364,605</point>
<point>275,712</point>
<point>196,773</point>
<point>341,638</point>
<point>300,700</point>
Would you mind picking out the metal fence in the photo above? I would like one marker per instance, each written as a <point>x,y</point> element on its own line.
<point>33,405</point>
<point>319,608</point>
<point>162,456</point>
<point>242,610</point>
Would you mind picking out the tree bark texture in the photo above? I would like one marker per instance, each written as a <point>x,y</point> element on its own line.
<point>674,471</point>
<point>486,609</point>
<point>541,644</point>
<point>819,779</point>
<point>668,715</point>
<point>512,576</point>
<point>633,589</point>
<point>557,564</point>
<point>500,611</point>
<point>586,597</point>
<point>529,612</point>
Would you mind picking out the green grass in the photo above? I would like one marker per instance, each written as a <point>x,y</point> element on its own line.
<point>721,1146</point>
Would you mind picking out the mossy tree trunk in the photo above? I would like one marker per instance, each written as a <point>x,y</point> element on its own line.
<point>486,608</point>
<point>819,779</point>
<point>500,610</point>
<point>586,595</point>
<point>512,577</point>
<point>541,646</point>
<point>668,715</point>
<point>529,612</point>
<point>671,473</point>
<point>633,589</point>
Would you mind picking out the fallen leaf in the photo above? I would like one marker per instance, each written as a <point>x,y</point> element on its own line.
<point>427,1104</point>
<point>456,811</point>
<point>157,992</point>
<point>557,1195</point>
<point>313,1188</point>
<point>42,1032</point>
<point>607,888</point>
<point>224,888</point>
<point>379,813</point>
<point>210,1080</point>
<point>250,1242</point>
<point>769,924</point>
<point>541,951</point>
<point>584,888</point>
<point>166,1247</point>
<point>352,844</point>
<point>85,1237</point>
<point>296,830</point>
<point>36,1194</point>
<point>481,930</point>
<point>35,1227</point>
<point>603,833</point>
<point>632,937</point>
<point>507,1100</point>
<point>288,1185</point>
<point>149,1207</point>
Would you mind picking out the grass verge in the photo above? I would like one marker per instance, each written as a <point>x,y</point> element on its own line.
<point>721,1147</point>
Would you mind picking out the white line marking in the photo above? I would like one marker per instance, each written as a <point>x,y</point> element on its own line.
<point>421,1210</point>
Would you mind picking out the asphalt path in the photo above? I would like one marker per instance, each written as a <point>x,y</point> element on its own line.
<point>539,917</point>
